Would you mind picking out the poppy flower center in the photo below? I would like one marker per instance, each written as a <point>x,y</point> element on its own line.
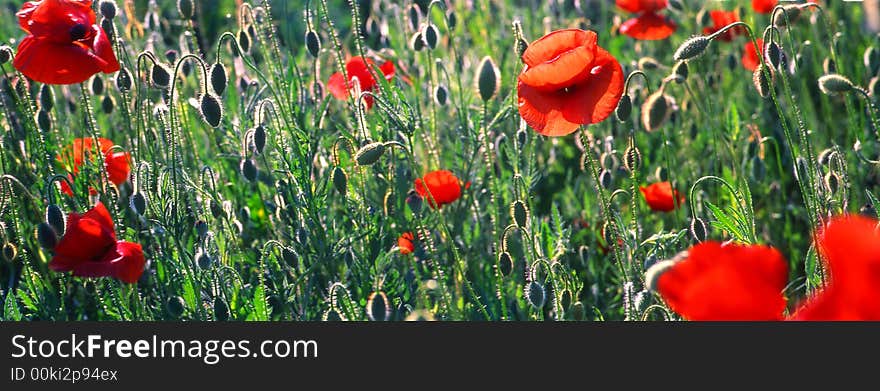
<point>78,32</point>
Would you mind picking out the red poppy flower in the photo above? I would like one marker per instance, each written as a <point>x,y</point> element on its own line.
<point>764,6</point>
<point>358,70</point>
<point>732,282</point>
<point>89,249</point>
<point>750,59</point>
<point>444,188</point>
<point>405,243</point>
<point>115,163</point>
<point>661,197</point>
<point>850,246</point>
<point>63,45</point>
<point>569,81</point>
<point>648,25</point>
<point>720,19</point>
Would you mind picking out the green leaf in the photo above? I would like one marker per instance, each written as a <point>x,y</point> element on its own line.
<point>10,308</point>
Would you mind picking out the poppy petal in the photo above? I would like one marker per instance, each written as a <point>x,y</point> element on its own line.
<point>764,6</point>
<point>129,265</point>
<point>556,43</point>
<point>337,86</point>
<point>102,51</point>
<point>117,165</point>
<point>750,59</point>
<point>648,26</point>
<point>596,98</point>
<point>568,68</point>
<point>52,63</point>
<point>542,111</point>
<point>101,215</point>
<point>636,6</point>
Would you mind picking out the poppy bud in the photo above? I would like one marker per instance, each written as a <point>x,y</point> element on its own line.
<point>872,60</point>
<point>773,54</point>
<point>829,66</point>
<point>313,43</point>
<point>802,169</point>
<point>218,78</point>
<point>704,18</point>
<point>654,272</point>
<point>369,154</point>
<point>874,87</point>
<point>259,139</point>
<point>655,110</point>
<point>44,121</point>
<point>138,203</point>
<point>415,16</point>
<point>175,306</point>
<point>441,94</point>
<point>244,41</point>
<point>204,260</point>
<point>417,41</point>
<point>680,69</point>
<point>248,169</point>
<point>202,229</point>
<point>519,212</point>
<point>505,263</point>
<point>9,252</point>
<point>578,312</point>
<point>521,46</point>
<point>868,210</point>
<point>333,316</point>
<point>289,256</point>
<point>624,108</point>
<point>565,299</point>
<point>691,48</point>
<point>789,14</point>
<point>47,98</point>
<point>123,80</point>
<point>107,104</point>
<point>698,229</point>
<point>832,182</point>
<point>97,85</point>
<point>451,19</point>
<point>536,294</point>
<point>340,180</point>
<point>217,210</point>
<point>414,201</point>
<point>761,81</point>
<point>676,5</point>
<point>432,35</point>
<point>55,218</point>
<point>46,236</point>
<point>221,309</point>
<point>605,179</point>
<point>378,308</point>
<point>211,110</point>
<point>835,84</point>
<point>522,137</point>
<point>648,63</point>
<point>487,79</point>
<point>632,158</point>
<point>160,76</point>
<point>5,54</point>
<point>662,174</point>
<point>185,8</point>
<point>759,170</point>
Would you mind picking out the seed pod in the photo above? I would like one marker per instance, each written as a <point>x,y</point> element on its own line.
<point>248,169</point>
<point>648,63</point>
<point>698,229</point>
<point>378,307</point>
<point>414,201</point>
<point>487,79</point>
<point>211,109</point>
<point>313,43</point>
<point>762,83</point>
<point>218,78</point>
<point>47,97</point>
<point>759,169</point>
<point>5,54</point>
<point>55,218</point>
<point>536,294</point>
<point>160,76</point>
<point>431,35</point>
<point>123,80</point>
<point>289,256</point>
<point>244,41</point>
<point>340,180</point>
<point>872,60</point>
<point>259,139</point>
<point>221,309</point>
<point>175,306</point>
<point>835,84</point>
<point>138,203</point>
<point>46,236</point>
<point>655,111</point>
<point>417,41</point>
<point>624,108</point>
<point>44,121</point>
<point>97,85</point>
<point>632,158</point>
<point>185,8</point>
<point>691,48</point>
<point>369,154</point>
<point>204,260</point>
<point>505,263</point>
<point>680,69</point>
<point>441,94</point>
<point>107,104</point>
<point>605,179</point>
<point>519,212</point>
<point>9,252</point>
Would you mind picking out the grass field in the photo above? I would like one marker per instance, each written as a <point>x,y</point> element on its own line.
<point>259,188</point>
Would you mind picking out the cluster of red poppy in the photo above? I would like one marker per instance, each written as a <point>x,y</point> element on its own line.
<point>714,281</point>
<point>649,24</point>
<point>116,164</point>
<point>359,78</point>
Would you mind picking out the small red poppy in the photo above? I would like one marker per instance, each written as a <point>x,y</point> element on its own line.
<point>64,45</point>
<point>439,187</point>
<point>116,163</point>
<point>569,81</point>
<point>720,19</point>
<point>850,246</point>
<point>358,70</point>
<point>726,282</point>
<point>661,197</point>
<point>648,25</point>
<point>750,58</point>
<point>405,243</point>
<point>89,249</point>
<point>764,6</point>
